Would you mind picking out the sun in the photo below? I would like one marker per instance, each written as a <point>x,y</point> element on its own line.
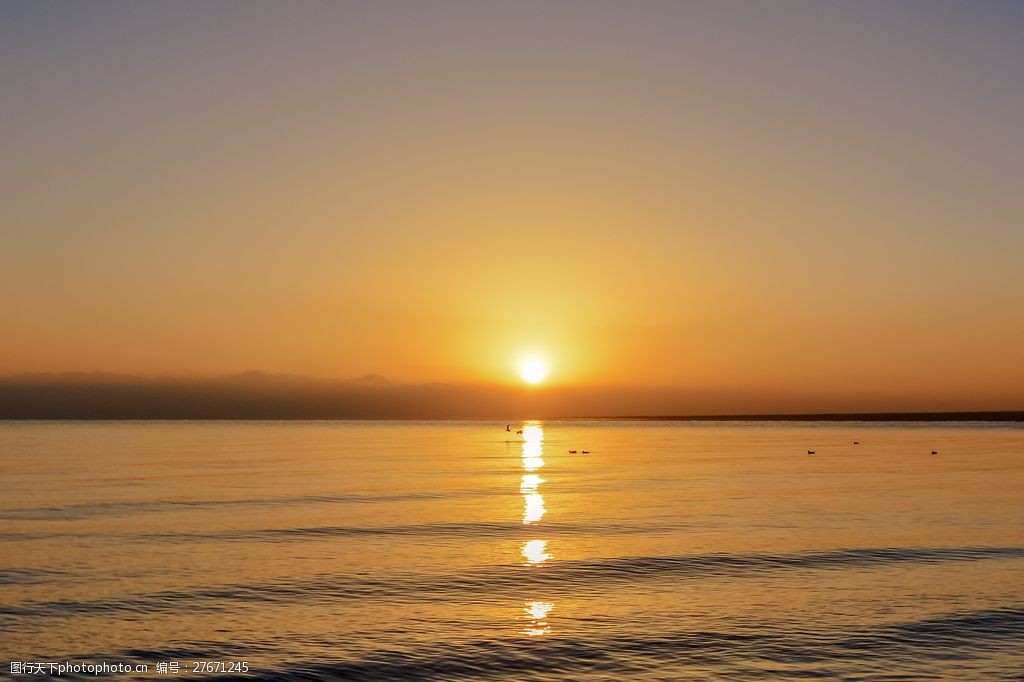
<point>533,371</point>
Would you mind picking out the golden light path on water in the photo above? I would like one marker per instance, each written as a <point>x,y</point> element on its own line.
<point>535,552</point>
<point>537,612</point>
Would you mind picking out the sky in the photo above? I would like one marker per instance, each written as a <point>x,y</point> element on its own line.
<point>786,201</point>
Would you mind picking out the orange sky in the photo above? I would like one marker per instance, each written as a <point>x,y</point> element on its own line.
<point>811,200</point>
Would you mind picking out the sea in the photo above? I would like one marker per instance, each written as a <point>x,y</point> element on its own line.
<point>536,550</point>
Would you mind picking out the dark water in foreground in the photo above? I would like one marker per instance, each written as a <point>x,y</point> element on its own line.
<point>406,550</point>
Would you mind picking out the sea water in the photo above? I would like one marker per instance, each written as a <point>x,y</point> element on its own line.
<point>460,550</point>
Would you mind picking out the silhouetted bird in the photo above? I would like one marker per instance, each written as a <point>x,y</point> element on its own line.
<point>520,431</point>
<point>507,428</point>
<point>572,452</point>
<point>935,452</point>
<point>586,452</point>
<point>856,442</point>
<point>810,452</point>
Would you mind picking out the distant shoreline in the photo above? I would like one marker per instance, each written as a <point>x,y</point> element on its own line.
<point>996,416</point>
<point>1009,416</point>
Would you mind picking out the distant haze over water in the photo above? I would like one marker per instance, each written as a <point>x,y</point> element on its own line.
<point>256,395</point>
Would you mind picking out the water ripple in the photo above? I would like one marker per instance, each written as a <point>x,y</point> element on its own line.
<point>495,583</point>
<point>75,512</point>
<point>895,651</point>
<point>458,530</point>
<point>28,576</point>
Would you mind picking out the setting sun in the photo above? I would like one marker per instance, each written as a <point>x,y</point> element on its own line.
<point>533,371</point>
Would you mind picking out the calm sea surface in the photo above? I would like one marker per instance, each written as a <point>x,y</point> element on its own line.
<point>404,550</point>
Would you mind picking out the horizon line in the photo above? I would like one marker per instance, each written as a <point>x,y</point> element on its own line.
<point>943,416</point>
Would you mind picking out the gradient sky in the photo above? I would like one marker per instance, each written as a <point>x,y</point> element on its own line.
<point>768,198</point>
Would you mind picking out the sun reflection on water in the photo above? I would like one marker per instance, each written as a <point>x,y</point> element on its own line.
<point>529,483</point>
<point>534,508</point>
<point>536,617</point>
<point>532,452</point>
<point>535,552</point>
<point>533,432</point>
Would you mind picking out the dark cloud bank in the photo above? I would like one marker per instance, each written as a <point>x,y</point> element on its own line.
<point>255,395</point>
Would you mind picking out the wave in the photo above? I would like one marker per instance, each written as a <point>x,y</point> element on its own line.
<point>75,512</point>
<point>29,576</point>
<point>751,650</point>
<point>491,584</point>
<point>753,653</point>
<point>482,529</point>
<point>457,530</point>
